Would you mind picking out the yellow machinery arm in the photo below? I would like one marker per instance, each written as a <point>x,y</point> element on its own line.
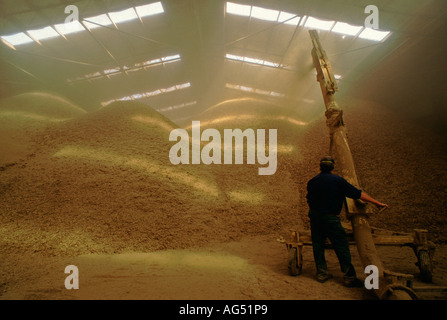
<point>325,69</point>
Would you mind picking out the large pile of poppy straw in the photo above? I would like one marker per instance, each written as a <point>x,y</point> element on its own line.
<point>103,182</point>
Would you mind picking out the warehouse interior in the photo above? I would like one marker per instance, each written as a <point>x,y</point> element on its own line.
<point>204,46</point>
<point>86,107</point>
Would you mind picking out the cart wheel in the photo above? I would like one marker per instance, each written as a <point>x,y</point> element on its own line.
<point>294,268</point>
<point>425,266</point>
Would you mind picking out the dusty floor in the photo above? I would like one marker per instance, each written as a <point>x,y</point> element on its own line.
<point>251,269</point>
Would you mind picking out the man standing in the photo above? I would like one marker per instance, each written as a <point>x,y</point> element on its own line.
<point>326,193</point>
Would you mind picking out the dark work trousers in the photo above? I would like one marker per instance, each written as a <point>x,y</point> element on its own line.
<point>325,226</point>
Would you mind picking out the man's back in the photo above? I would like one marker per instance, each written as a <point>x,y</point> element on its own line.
<point>327,191</point>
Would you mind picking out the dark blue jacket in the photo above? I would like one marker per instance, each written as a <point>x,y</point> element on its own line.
<point>326,193</point>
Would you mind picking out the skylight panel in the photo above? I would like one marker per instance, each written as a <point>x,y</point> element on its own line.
<point>110,71</point>
<point>170,58</point>
<point>183,86</point>
<point>134,69</point>
<point>318,24</point>
<point>153,61</point>
<point>166,109</point>
<point>277,94</point>
<point>70,27</point>
<point>149,9</point>
<point>153,93</point>
<point>93,75</point>
<point>285,16</point>
<point>177,106</point>
<point>238,9</point>
<point>123,16</point>
<point>346,29</point>
<point>138,96</point>
<point>232,86</point>
<point>148,62</point>
<point>166,59</point>
<point>253,60</point>
<point>234,57</point>
<point>105,103</point>
<point>44,33</point>
<point>170,61</point>
<point>244,88</point>
<point>101,20</point>
<point>253,90</point>
<point>271,64</point>
<point>264,92</point>
<point>170,89</point>
<point>264,14</point>
<point>17,39</point>
<point>374,35</point>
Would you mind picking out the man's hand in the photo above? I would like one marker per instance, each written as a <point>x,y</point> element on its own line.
<point>381,205</point>
<point>366,197</point>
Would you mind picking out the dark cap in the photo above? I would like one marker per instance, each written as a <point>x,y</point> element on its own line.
<point>327,164</point>
<point>327,161</point>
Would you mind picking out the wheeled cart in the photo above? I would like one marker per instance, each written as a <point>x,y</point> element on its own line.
<point>418,241</point>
